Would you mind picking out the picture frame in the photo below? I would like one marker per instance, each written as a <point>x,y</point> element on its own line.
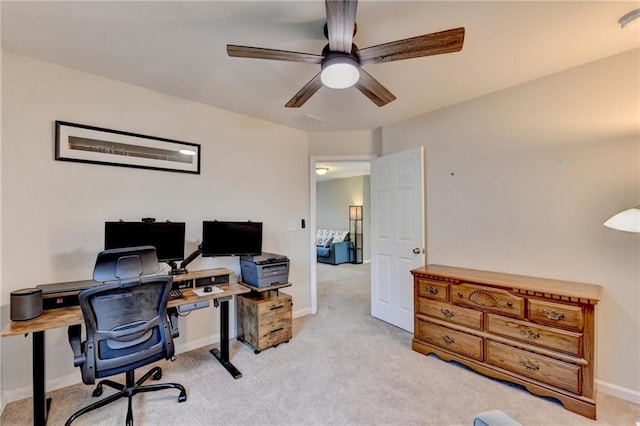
<point>96,145</point>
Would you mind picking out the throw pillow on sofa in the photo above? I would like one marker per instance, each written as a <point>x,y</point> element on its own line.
<point>339,236</point>
<point>324,241</point>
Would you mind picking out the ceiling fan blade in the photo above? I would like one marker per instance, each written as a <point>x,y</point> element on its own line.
<point>430,44</point>
<point>278,55</point>
<point>305,93</point>
<point>341,17</point>
<point>373,90</point>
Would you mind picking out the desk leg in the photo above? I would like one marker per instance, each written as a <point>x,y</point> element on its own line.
<point>223,354</point>
<point>41,404</point>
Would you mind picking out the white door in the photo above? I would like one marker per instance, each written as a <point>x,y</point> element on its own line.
<point>397,234</point>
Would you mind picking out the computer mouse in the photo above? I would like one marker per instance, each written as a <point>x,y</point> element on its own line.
<point>208,289</point>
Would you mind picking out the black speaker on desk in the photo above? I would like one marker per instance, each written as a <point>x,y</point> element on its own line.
<point>26,304</point>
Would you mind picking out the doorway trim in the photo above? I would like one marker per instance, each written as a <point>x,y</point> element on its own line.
<point>313,160</point>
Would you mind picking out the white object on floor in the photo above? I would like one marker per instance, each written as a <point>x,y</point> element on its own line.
<point>495,418</point>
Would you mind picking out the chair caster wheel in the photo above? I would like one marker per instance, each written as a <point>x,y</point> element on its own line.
<point>256,352</point>
<point>182,397</point>
<point>97,392</point>
<point>157,375</point>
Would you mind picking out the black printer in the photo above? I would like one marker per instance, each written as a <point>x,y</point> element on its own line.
<point>264,269</point>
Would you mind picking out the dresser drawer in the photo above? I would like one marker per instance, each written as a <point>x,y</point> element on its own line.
<point>487,298</point>
<point>433,289</point>
<point>556,314</point>
<point>556,373</point>
<point>453,340</point>
<point>448,312</point>
<point>556,339</point>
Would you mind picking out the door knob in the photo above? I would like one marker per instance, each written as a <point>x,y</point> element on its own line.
<point>416,250</point>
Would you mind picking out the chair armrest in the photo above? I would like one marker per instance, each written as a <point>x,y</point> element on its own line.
<point>74,332</point>
<point>173,322</point>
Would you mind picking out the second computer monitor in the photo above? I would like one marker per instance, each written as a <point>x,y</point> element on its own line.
<point>231,238</point>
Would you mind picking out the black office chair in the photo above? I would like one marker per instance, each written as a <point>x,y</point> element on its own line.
<point>126,326</point>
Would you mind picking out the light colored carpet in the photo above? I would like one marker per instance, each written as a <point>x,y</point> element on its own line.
<point>342,367</point>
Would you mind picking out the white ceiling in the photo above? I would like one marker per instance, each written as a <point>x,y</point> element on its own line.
<point>178,48</point>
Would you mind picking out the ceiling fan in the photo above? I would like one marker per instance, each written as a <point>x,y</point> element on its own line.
<point>341,61</point>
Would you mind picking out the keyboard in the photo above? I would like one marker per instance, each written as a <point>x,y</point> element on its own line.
<point>175,294</point>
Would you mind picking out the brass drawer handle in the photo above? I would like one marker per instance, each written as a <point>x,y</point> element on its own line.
<point>273,308</point>
<point>553,315</point>
<point>448,340</point>
<point>447,313</point>
<point>529,365</point>
<point>432,290</point>
<point>529,334</point>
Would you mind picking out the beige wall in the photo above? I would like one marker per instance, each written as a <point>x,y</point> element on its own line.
<point>343,143</point>
<point>521,181</point>
<point>54,212</point>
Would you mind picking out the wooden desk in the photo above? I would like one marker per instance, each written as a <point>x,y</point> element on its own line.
<point>61,317</point>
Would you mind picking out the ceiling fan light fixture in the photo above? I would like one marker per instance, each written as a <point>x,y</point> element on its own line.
<point>339,70</point>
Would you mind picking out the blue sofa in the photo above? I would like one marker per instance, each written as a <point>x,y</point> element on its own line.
<point>333,247</point>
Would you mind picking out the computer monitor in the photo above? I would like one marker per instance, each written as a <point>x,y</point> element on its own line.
<point>166,237</point>
<point>221,238</point>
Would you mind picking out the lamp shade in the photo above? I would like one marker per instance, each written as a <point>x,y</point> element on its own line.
<point>627,220</point>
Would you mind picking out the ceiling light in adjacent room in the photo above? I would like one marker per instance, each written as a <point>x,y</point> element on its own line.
<point>322,170</point>
<point>339,70</point>
<point>629,17</point>
<point>627,220</point>
<point>187,152</point>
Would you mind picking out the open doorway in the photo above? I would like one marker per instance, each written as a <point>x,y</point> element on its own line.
<point>347,173</point>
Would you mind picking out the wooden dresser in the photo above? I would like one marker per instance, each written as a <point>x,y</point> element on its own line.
<point>538,333</point>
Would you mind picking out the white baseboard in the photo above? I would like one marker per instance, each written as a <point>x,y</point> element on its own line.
<point>301,313</point>
<point>618,391</point>
<point>51,384</point>
<point>207,341</point>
